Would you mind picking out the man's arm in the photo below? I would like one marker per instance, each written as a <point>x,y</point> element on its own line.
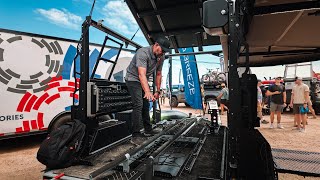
<point>144,83</point>
<point>220,95</point>
<point>284,95</point>
<point>292,96</point>
<point>306,96</point>
<point>269,93</point>
<point>158,80</point>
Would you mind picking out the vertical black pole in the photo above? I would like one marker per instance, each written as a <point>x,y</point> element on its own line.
<point>234,114</point>
<point>84,71</point>
<point>170,80</point>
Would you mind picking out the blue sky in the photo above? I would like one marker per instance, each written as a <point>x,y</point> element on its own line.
<point>63,18</point>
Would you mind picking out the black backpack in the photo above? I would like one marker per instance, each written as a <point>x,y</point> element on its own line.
<point>61,148</point>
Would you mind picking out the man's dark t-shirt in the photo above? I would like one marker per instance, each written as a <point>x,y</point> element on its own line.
<point>277,98</point>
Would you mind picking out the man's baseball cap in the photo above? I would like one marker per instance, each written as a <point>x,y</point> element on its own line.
<point>298,78</point>
<point>164,44</point>
<point>278,77</point>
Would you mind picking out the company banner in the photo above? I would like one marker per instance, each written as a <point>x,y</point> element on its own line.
<point>191,79</point>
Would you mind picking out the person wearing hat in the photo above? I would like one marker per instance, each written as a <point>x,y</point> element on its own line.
<point>299,102</point>
<point>144,63</point>
<point>278,101</point>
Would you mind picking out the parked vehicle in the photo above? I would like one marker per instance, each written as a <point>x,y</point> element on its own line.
<point>37,81</point>
<point>178,95</point>
<point>211,92</point>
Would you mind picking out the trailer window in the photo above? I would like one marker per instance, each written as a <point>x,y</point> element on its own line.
<point>290,72</point>
<point>304,71</point>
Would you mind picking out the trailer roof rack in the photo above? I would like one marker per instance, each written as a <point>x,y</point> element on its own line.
<point>179,21</point>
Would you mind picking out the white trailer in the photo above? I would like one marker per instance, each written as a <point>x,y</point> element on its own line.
<point>37,81</point>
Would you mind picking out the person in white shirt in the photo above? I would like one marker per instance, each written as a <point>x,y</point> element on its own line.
<point>299,101</point>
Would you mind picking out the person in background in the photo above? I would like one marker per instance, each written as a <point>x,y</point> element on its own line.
<point>311,109</point>
<point>224,97</point>
<point>278,99</point>
<point>162,98</point>
<point>299,99</point>
<point>260,102</point>
<point>203,100</point>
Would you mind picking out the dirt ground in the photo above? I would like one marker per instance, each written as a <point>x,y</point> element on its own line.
<point>18,156</point>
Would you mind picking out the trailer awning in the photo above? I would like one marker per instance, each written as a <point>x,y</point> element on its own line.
<point>280,31</point>
<point>178,20</point>
<point>283,32</point>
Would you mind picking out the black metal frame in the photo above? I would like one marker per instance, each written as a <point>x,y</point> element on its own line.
<point>80,112</point>
<point>107,60</point>
<point>157,12</point>
<point>282,8</point>
<point>234,114</point>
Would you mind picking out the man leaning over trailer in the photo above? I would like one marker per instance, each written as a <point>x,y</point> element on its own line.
<point>144,63</point>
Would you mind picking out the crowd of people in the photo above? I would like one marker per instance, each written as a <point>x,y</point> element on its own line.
<point>275,98</point>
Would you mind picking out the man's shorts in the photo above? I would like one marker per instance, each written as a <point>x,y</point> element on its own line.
<point>224,102</point>
<point>296,109</point>
<point>276,107</point>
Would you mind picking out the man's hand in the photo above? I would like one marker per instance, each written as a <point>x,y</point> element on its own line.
<point>149,96</point>
<point>284,104</point>
<point>156,95</point>
<point>276,92</point>
<point>291,105</point>
<point>305,105</point>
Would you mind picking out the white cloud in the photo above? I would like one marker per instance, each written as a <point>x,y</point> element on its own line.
<point>85,1</point>
<point>118,16</point>
<point>61,18</point>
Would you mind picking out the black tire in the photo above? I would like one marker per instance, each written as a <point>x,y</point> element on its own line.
<point>174,102</point>
<point>187,105</point>
<point>59,121</point>
<point>316,108</point>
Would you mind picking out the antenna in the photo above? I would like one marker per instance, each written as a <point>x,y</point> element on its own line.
<point>135,33</point>
<point>94,2</point>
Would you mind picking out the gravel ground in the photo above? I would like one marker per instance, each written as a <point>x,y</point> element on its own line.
<point>18,162</point>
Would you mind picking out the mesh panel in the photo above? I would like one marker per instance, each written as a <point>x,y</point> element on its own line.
<point>299,162</point>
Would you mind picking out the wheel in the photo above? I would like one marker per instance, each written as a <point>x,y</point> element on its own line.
<point>174,102</point>
<point>59,121</point>
<point>206,78</point>
<point>188,105</point>
<point>316,108</point>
